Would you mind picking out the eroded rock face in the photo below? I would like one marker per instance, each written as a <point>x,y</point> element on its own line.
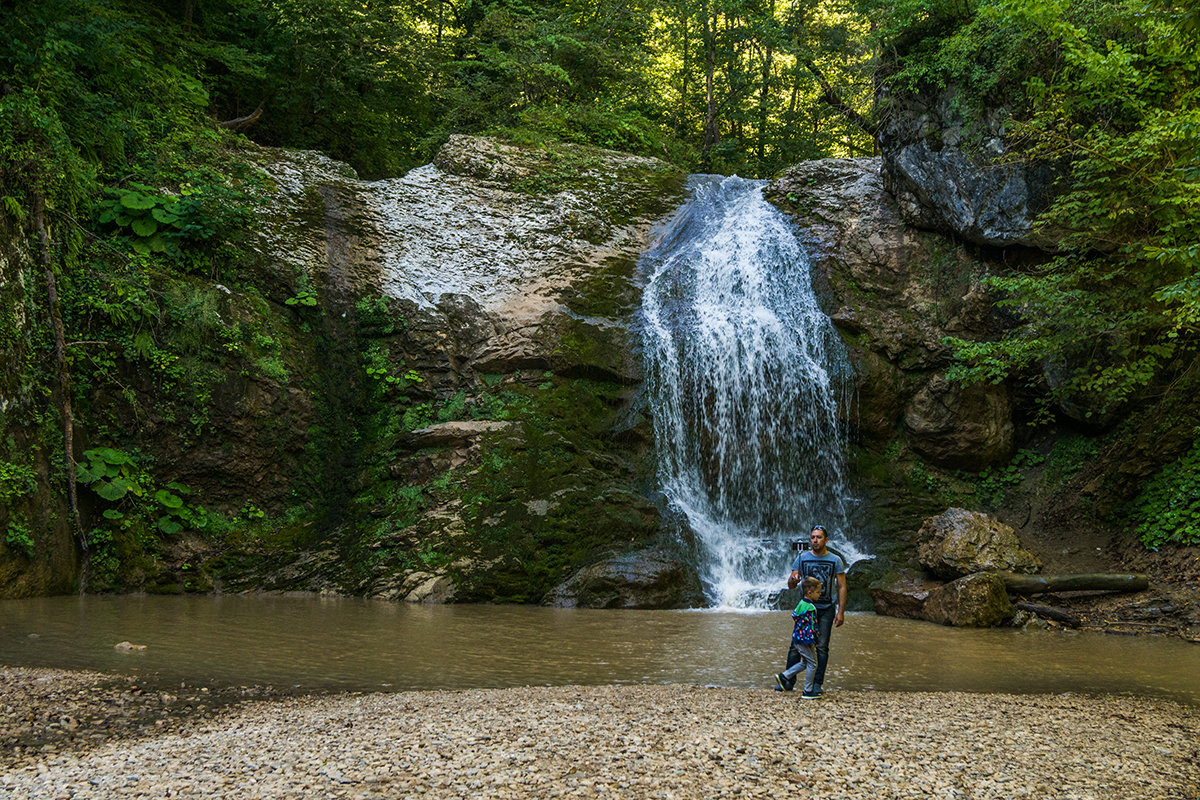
<point>502,280</point>
<point>959,542</point>
<point>497,272</point>
<point>960,427</point>
<point>974,601</point>
<point>950,175</point>
<point>654,578</point>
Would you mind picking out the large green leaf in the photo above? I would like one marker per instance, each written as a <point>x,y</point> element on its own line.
<point>168,500</point>
<point>109,455</point>
<point>137,200</point>
<point>169,526</point>
<point>113,490</point>
<point>164,216</point>
<point>98,470</point>
<point>112,513</point>
<point>144,226</point>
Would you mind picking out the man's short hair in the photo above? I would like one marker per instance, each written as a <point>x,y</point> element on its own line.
<point>810,583</point>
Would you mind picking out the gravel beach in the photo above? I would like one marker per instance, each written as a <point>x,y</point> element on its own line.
<point>60,740</point>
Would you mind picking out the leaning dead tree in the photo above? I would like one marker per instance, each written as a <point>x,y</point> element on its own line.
<point>1083,582</point>
<point>242,122</point>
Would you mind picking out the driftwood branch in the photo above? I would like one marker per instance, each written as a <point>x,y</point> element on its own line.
<point>242,122</point>
<point>1089,581</point>
<point>1050,612</point>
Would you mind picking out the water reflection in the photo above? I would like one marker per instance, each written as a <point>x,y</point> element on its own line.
<point>345,643</point>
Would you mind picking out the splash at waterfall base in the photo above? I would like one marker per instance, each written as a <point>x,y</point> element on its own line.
<point>628,741</point>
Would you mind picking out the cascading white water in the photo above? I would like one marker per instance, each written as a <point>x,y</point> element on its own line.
<point>745,377</point>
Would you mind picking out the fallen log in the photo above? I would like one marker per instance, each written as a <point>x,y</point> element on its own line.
<point>1050,612</point>
<point>1088,581</point>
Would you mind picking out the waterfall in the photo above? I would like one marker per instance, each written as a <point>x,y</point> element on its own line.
<point>745,376</point>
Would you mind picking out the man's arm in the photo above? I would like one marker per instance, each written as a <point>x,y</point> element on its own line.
<point>840,618</point>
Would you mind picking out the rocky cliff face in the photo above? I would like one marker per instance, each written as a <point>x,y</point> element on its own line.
<point>951,174</point>
<point>895,292</point>
<point>504,452</point>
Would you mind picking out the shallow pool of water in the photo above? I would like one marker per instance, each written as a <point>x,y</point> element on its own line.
<point>348,643</point>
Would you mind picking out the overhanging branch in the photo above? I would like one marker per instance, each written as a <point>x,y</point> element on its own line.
<point>832,98</point>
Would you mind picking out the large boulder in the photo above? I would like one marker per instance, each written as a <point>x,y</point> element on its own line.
<point>959,542</point>
<point>974,601</point>
<point>960,427</point>
<point>653,578</point>
<point>949,173</point>
<point>904,596</point>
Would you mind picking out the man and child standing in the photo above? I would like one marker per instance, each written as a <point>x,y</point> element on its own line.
<point>816,571</point>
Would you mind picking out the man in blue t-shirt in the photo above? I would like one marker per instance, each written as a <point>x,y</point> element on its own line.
<point>828,568</point>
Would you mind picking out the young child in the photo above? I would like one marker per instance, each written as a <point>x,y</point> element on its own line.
<point>804,636</point>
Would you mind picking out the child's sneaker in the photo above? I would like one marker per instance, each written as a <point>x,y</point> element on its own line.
<point>782,684</point>
<point>812,695</point>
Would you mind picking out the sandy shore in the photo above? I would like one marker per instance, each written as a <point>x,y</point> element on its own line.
<point>620,741</point>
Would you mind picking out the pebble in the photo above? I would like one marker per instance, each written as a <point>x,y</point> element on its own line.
<point>678,742</point>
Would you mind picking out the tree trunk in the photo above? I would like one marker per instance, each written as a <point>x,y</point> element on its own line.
<point>763,98</point>
<point>712,134</point>
<point>1089,581</point>
<point>64,378</point>
<point>681,116</point>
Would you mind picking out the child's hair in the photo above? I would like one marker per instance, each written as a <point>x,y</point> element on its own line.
<point>810,583</point>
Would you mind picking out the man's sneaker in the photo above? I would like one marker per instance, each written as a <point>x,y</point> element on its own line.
<point>782,684</point>
<point>817,690</point>
<point>813,695</point>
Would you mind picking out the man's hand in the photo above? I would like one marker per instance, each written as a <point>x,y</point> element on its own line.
<point>839,619</point>
<point>794,579</point>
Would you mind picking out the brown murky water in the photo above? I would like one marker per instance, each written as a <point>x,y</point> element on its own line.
<point>340,643</point>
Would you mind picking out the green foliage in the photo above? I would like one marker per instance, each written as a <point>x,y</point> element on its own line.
<point>16,481</point>
<point>375,317</point>
<point>153,222</point>
<point>303,297</point>
<point>1067,458</point>
<point>111,473</point>
<point>1108,91</point>
<point>118,478</point>
<point>994,483</point>
<point>1167,511</point>
<point>19,537</point>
